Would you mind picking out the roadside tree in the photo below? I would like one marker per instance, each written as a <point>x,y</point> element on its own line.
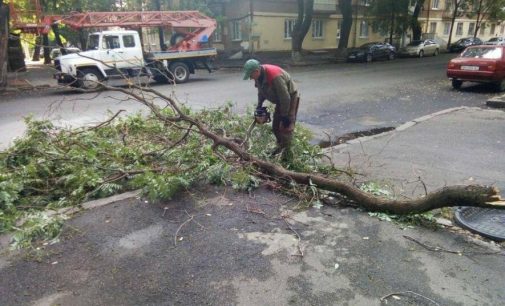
<point>301,27</point>
<point>491,10</point>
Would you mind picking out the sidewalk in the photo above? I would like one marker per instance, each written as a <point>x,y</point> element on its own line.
<point>36,76</point>
<point>39,76</point>
<point>215,246</point>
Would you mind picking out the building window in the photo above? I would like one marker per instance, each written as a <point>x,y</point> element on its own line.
<point>363,29</point>
<point>433,27</point>
<point>317,28</point>
<point>434,4</point>
<point>236,34</point>
<point>459,28</point>
<point>448,5</point>
<point>289,25</point>
<point>471,28</point>
<point>447,28</point>
<point>339,28</point>
<point>493,29</point>
<point>218,33</point>
<point>483,28</point>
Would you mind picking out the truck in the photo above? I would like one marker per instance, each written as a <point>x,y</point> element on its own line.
<point>119,54</point>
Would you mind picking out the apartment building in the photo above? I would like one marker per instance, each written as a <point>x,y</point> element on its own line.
<point>436,23</point>
<point>266,25</point>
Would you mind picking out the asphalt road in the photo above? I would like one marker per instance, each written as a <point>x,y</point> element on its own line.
<point>336,98</point>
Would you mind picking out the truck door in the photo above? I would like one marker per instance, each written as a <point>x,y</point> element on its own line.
<point>132,56</point>
<point>112,53</point>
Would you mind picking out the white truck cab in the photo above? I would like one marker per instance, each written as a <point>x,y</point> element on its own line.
<point>119,54</point>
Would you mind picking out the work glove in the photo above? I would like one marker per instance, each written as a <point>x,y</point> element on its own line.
<point>285,121</point>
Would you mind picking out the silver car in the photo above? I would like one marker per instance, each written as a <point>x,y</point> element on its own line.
<point>421,48</point>
<point>496,41</point>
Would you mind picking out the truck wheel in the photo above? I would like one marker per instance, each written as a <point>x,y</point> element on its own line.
<point>180,72</point>
<point>89,78</point>
<point>456,84</point>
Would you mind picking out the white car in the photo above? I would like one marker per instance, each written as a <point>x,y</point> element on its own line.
<point>496,41</point>
<point>421,48</point>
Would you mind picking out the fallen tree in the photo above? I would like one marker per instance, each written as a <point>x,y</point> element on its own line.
<point>471,195</point>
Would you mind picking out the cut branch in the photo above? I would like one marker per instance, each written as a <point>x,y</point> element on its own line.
<point>471,195</point>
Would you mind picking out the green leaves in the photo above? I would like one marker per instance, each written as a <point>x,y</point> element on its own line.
<point>53,167</point>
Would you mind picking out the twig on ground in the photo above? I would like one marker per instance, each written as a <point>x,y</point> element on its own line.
<point>383,299</point>
<point>300,251</point>
<point>178,229</point>
<point>439,249</point>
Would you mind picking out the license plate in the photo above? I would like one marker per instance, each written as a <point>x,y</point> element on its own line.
<point>352,56</point>
<point>472,68</point>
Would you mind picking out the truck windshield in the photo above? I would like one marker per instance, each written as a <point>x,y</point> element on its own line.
<point>93,41</point>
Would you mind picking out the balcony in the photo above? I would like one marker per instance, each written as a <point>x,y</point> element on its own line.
<point>326,6</point>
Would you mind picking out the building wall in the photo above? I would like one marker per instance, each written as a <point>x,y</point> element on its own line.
<point>267,30</point>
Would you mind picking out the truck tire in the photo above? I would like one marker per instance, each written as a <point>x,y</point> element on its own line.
<point>89,78</point>
<point>180,72</point>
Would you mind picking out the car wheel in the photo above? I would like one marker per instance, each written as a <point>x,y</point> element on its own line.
<point>180,72</point>
<point>435,53</point>
<point>500,86</point>
<point>369,58</point>
<point>456,84</point>
<point>391,56</point>
<point>89,78</point>
<point>421,53</point>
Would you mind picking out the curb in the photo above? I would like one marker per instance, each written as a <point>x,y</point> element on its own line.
<point>402,127</point>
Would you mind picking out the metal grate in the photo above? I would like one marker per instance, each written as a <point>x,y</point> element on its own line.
<point>484,221</point>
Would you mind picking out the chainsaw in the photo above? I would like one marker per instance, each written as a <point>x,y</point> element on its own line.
<point>261,115</point>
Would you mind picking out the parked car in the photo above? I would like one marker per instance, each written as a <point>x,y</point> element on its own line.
<point>483,64</point>
<point>496,41</point>
<point>461,44</point>
<point>372,51</point>
<point>421,48</point>
<point>57,51</point>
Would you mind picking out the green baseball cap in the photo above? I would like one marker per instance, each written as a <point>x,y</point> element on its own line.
<point>249,67</point>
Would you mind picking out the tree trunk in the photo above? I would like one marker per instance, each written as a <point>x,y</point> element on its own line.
<point>36,50</point>
<point>416,27</point>
<point>479,19</point>
<point>453,19</point>
<point>161,33</point>
<point>345,29</point>
<point>302,25</point>
<point>47,51</point>
<point>391,32</point>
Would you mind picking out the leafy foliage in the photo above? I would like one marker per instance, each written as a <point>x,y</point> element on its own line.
<point>53,167</point>
<point>382,190</point>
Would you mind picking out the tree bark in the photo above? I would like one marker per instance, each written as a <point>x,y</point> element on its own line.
<point>302,25</point>
<point>345,7</point>
<point>47,51</point>
<point>416,27</point>
<point>453,19</point>
<point>472,195</point>
<point>36,50</point>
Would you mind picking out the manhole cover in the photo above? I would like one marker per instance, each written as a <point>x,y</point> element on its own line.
<point>487,222</point>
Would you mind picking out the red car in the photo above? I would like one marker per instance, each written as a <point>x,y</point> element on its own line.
<point>483,64</point>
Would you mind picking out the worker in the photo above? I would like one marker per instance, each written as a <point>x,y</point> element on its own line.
<point>275,85</point>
